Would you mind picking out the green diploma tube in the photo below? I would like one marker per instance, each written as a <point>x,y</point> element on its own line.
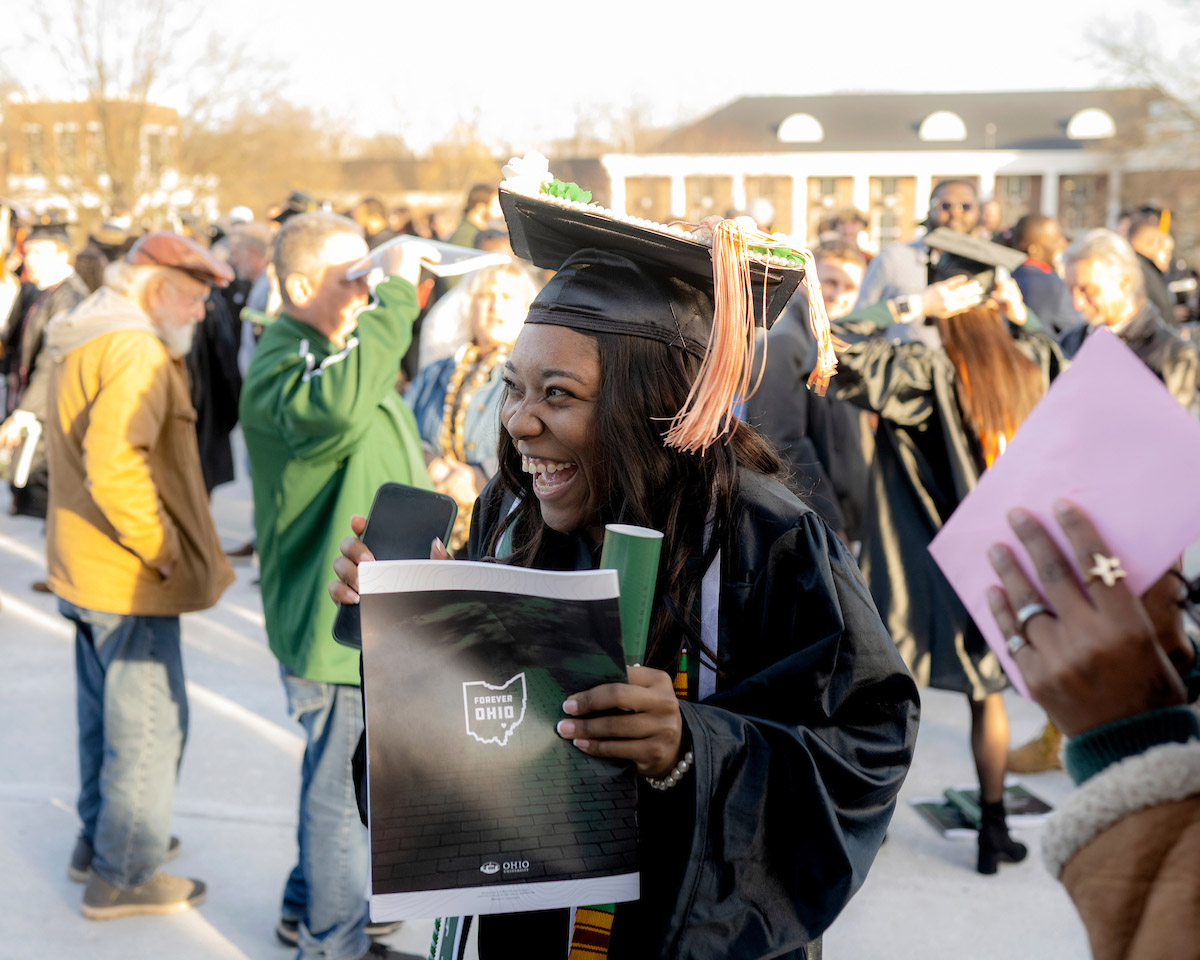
<point>634,553</point>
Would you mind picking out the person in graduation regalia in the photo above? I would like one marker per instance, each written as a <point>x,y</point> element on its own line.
<point>945,414</point>
<point>773,721</point>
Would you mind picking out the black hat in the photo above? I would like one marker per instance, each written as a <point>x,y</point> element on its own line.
<point>702,287</point>
<point>297,202</point>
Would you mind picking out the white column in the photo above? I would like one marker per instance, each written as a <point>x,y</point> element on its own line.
<point>800,211</point>
<point>737,196</point>
<point>987,185</point>
<point>1050,193</point>
<point>1114,198</point>
<point>923,188</point>
<point>678,196</point>
<point>862,192</point>
<point>616,193</point>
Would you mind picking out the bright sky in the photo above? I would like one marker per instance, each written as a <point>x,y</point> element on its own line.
<point>525,72</point>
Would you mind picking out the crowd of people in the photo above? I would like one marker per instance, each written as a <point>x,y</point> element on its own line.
<point>796,579</point>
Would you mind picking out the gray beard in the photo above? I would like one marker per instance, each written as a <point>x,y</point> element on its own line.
<point>178,340</point>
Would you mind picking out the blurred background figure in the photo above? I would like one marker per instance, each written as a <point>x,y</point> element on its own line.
<point>1041,239</point>
<point>456,400</point>
<point>48,269</point>
<point>903,269</point>
<point>371,215</point>
<point>482,207</point>
<point>1154,248</point>
<point>945,414</point>
<point>1107,282</point>
<point>991,224</point>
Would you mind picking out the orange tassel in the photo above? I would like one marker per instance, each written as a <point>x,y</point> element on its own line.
<point>818,322</point>
<point>724,378</point>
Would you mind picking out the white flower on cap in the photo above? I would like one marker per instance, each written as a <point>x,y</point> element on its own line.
<point>527,174</point>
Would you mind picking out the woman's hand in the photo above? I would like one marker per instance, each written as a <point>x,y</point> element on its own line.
<point>649,731</point>
<point>1008,299</point>
<point>1094,660</point>
<point>345,588</point>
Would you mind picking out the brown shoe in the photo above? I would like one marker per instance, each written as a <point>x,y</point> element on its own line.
<point>162,893</point>
<point>1039,754</point>
<point>40,586</point>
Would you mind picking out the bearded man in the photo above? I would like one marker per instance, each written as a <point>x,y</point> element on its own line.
<point>130,545</point>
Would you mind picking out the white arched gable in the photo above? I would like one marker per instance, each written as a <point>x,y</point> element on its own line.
<point>801,128</point>
<point>1091,124</point>
<point>943,125</point>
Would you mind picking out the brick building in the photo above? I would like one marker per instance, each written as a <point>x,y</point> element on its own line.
<point>82,157</point>
<point>1081,156</point>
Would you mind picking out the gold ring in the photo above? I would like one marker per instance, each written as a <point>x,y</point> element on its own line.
<point>1108,570</point>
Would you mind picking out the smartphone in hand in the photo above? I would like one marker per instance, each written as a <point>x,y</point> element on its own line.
<point>401,525</point>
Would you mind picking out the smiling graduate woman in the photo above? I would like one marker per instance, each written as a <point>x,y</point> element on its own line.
<point>767,664</point>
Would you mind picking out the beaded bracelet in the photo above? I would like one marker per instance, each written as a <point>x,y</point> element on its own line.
<point>672,778</point>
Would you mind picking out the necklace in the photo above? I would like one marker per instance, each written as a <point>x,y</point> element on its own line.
<point>470,373</point>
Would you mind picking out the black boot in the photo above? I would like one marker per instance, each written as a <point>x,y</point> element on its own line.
<point>995,845</point>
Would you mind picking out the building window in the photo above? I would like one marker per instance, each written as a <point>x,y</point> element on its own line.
<point>942,125</point>
<point>93,147</point>
<point>1082,201</point>
<point>1018,196</point>
<point>706,196</point>
<point>801,128</point>
<point>893,202</point>
<point>68,149</point>
<point>648,197</point>
<point>826,197</point>
<point>1091,124</point>
<point>777,191</point>
<point>35,149</point>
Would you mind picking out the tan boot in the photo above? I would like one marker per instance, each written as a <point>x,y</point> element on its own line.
<point>1039,754</point>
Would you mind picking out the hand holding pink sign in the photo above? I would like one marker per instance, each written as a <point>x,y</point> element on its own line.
<point>1108,437</point>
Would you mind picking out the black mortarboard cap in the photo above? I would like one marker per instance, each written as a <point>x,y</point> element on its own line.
<point>626,276</point>
<point>700,287</point>
<point>964,255</point>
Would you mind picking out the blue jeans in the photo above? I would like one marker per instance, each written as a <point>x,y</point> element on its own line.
<point>327,890</point>
<point>133,717</point>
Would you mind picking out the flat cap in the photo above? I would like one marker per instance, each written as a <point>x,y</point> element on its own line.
<point>172,250</point>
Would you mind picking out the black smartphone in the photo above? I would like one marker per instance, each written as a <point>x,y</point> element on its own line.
<point>401,525</point>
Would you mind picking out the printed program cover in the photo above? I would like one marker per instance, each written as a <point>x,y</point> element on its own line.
<point>476,805</point>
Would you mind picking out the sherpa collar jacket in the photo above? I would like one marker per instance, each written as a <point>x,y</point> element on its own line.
<point>127,497</point>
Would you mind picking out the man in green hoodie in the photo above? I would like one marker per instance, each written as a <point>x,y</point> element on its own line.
<point>324,427</point>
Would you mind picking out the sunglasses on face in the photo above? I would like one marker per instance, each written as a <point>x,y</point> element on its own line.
<point>947,207</point>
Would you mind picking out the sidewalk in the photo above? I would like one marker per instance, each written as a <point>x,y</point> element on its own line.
<point>235,809</point>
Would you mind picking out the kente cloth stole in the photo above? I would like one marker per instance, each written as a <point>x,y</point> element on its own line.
<point>592,926</point>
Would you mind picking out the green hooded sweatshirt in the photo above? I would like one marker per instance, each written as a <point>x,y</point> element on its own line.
<point>324,427</point>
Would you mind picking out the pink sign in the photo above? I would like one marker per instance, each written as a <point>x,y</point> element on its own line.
<point>1107,436</point>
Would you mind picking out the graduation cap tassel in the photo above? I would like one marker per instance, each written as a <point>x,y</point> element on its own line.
<point>818,322</point>
<point>709,412</point>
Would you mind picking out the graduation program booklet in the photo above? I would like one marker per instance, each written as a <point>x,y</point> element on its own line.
<point>476,805</point>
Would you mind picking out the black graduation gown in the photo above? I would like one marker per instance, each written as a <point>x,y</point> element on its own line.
<point>1175,361</point>
<point>799,753</point>
<point>926,461</point>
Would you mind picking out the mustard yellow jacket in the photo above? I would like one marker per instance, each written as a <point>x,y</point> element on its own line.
<point>127,496</point>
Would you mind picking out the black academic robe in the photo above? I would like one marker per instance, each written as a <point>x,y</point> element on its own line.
<point>1175,361</point>
<point>799,752</point>
<point>926,461</point>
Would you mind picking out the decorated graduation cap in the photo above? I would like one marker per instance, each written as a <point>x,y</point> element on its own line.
<point>702,287</point>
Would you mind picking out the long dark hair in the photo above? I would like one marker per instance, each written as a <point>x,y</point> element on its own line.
<point>997,384</point>
<point>639,481</point>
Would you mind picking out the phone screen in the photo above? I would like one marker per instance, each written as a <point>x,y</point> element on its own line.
<point>401,525</point>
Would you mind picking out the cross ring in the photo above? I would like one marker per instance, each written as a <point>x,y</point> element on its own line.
<point>1028,612</point>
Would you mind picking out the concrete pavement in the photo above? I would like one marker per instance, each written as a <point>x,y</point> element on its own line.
<point>235,809</point>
